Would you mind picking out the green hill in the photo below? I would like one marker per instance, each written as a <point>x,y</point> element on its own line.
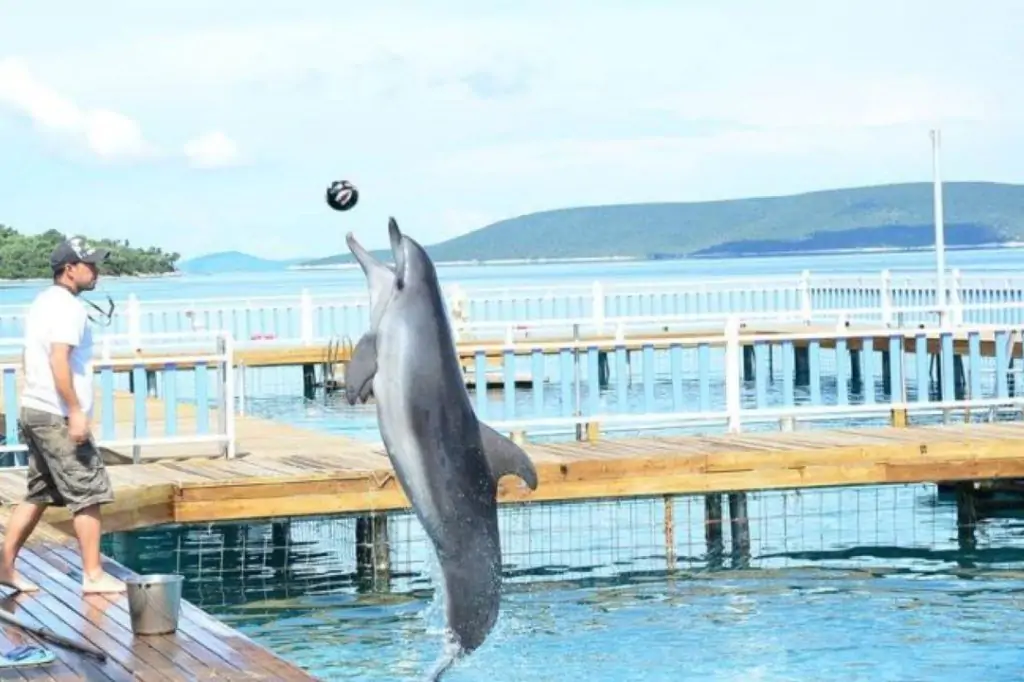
<point>895,216</point>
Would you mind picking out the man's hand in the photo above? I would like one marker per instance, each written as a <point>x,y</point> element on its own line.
<point>78,426</point>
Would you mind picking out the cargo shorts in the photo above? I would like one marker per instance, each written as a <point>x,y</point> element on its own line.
<point>62,473</point>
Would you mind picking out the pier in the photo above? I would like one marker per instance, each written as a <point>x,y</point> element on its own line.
<point>323,476</point>
<point>201,649</point>
<point>749,409</point>
<point>641,407</point>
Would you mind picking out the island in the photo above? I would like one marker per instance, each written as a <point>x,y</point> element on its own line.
<point>25,256</point>
<point>895,216</point>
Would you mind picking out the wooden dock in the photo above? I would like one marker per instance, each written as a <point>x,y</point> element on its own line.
<point>201,649</point>
<point>298,473</point>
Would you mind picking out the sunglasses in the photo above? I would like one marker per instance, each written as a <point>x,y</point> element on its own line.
<point>105,317</point>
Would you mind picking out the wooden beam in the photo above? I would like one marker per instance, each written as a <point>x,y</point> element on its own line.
<point>916,460</point>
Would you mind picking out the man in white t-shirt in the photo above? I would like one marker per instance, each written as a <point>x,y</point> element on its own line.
<point>65,468</point>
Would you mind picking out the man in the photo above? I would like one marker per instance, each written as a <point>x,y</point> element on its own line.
<point>64,466</point>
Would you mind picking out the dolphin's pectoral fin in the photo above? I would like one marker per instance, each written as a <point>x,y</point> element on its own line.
<point>360,369</point>
<point>505,457</point>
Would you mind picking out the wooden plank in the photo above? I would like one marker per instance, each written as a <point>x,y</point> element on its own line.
<point>299,484</point>
<point>201,649</point>
<point>191,636</point>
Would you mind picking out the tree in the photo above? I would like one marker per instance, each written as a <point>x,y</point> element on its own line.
<point>28,256</point>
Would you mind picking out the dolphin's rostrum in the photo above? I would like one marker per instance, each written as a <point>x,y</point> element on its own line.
<point>447,462</point>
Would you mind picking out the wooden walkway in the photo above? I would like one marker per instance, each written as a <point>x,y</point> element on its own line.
<point>201,649</point>
<point>284,474</point>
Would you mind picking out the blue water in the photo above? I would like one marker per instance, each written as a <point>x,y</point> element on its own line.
<point>288,283</point>
<point>868,583</point>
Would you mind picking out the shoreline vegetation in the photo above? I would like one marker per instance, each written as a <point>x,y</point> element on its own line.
<point>26,258</point>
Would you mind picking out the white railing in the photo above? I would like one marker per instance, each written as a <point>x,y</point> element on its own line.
<point>308,318</point>
<point>990,383</point>
<point>188,367</point>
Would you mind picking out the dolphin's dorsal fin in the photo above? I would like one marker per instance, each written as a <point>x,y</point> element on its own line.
<point>361,368</point>
<point>505,457</point>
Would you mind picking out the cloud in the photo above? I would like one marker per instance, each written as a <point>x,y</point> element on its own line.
<point>213,150</point>
<point>107,134</point>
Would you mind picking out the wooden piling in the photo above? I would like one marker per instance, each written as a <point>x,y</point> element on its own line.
<point>966,515</point>
<point>739,528</point>
<point>959,377</point>
<point>670,533</point>
<point>856,377</point>
<point>713,530</point>
<point>603,370</point>
<point>749,363</point>
<point>802,369</point>
<point>309,381</point>
<point>886,369</point>
<point>373,553</point>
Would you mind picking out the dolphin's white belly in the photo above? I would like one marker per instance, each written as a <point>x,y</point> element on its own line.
<point>415,466</point>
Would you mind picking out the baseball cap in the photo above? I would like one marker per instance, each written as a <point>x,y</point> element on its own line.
<point>74,250</point>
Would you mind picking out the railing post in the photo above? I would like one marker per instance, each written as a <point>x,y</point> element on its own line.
<point>806,307</point>
<point>457,310</point>
<point>226,402</point>
<point>886,295</point>
<point>133,314</point>
<point>956,305</point>
<point>733,382</point>
<point>306,317</point>
<point>597,306</point>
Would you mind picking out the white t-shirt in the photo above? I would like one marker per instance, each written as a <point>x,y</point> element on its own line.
<point>56,316</point>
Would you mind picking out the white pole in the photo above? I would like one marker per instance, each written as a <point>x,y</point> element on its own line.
<point>940,237</point>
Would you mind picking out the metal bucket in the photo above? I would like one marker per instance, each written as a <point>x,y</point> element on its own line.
<point>154,603</point>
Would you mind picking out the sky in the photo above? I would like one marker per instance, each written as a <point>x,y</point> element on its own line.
<point>199,126</point>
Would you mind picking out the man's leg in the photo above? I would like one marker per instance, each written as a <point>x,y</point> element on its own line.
<point>21,524</point>
<point>89,530</point>
<point>81,478</point>
<point>41,492</point>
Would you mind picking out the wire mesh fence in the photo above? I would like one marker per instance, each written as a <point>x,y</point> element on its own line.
<point>895,527</point>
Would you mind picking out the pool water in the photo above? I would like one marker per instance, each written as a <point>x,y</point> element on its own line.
<point>790,626</point>
<point>871,583</point>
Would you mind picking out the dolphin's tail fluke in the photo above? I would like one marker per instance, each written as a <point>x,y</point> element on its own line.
<point>446,661</point>
<point>451,654</point>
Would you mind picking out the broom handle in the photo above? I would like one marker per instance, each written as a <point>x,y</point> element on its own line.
<point>45,633</point>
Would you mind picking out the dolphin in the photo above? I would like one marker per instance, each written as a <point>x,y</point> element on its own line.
<point>447,461</point>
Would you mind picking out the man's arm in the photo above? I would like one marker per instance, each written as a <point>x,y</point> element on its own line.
<point>60,363</point>
<point>66,329</point>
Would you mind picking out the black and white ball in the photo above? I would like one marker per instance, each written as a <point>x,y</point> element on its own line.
<point>342,195</point>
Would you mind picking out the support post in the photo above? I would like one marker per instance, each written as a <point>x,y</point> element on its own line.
<point>309,381</point>
<point>739,527</point>
<point>713,530</point>
<point>306,327</point>
<point>733,385</point>
<point>670,533</point>
<point>373,552</point>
